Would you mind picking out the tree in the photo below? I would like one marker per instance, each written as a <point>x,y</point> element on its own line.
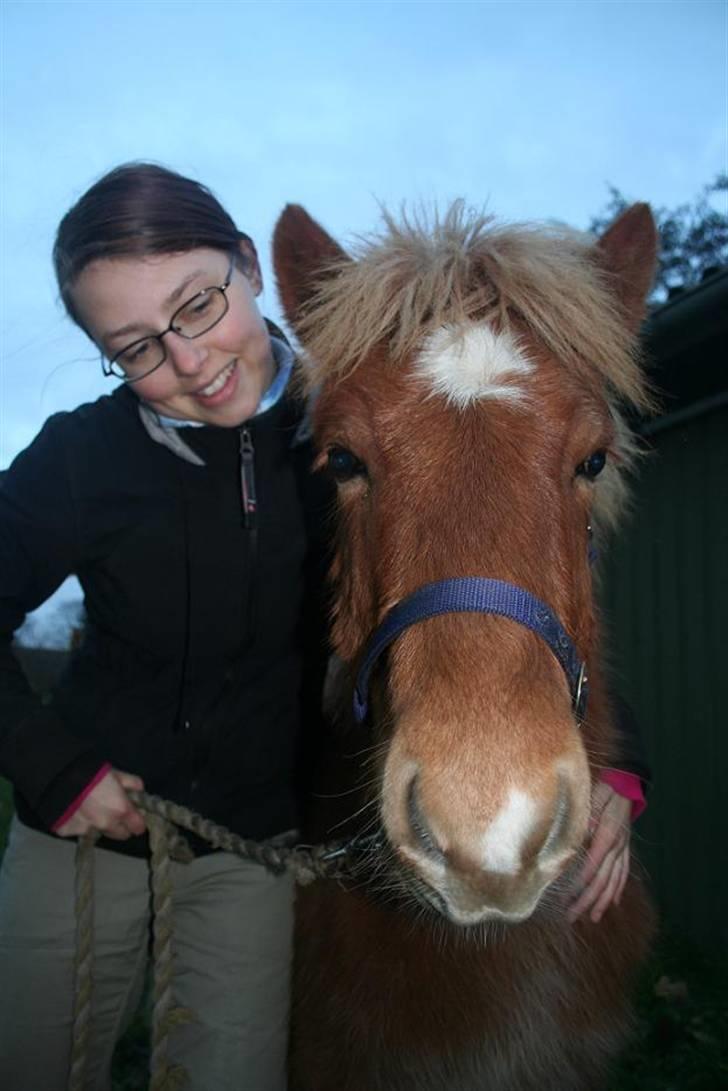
<point>693,237</point>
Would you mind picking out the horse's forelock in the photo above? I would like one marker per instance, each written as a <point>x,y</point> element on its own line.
<point>423,272</point>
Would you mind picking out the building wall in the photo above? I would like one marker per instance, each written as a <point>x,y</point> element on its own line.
<point>666,601</point>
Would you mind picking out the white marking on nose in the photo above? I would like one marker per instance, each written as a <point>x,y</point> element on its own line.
<point>504,838</point>
<point>467,363</point>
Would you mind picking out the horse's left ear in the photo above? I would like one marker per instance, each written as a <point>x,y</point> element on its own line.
<point>628,249</point>
<point>302,253</point>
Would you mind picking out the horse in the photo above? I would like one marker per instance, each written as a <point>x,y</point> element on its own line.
<point>470,380</point>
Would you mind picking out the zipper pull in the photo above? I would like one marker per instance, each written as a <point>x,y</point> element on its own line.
<point>247,479</point>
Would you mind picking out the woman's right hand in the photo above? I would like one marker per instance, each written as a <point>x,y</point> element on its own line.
<point>107,808</point>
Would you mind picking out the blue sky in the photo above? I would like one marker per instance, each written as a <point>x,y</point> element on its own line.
<point>529,107</point>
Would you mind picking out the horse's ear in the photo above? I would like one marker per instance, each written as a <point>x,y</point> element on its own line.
<point>628,249</point>
<point>302,251</point>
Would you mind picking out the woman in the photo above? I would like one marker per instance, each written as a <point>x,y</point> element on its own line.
<point>184,504</point>
<point>192,539</point>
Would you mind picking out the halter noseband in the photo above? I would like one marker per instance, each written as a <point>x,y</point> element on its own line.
<point>475,594</point>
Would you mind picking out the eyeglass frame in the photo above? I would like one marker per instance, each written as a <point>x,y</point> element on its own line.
<point>107,365</point>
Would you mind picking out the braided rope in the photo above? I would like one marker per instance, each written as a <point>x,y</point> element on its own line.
<point>305,862</point>
<point>164,1077</point>
<point>83,961</point>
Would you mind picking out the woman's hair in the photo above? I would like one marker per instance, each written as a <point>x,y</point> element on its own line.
<point>139,209</point>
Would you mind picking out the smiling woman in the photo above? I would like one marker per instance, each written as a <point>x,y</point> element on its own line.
<point>183,503</point>
<point>212,362</point>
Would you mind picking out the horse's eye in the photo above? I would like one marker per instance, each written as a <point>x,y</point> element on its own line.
<point>344,465</point>
<point>591,467</point>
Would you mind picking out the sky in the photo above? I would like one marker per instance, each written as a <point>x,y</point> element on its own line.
<point>529,107</point>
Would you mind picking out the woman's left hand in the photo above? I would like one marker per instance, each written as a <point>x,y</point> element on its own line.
<point>606,868</point>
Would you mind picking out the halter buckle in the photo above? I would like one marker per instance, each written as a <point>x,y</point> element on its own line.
<point>581,693</point>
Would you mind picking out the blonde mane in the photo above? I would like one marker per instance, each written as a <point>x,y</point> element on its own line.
<point>424,271</point>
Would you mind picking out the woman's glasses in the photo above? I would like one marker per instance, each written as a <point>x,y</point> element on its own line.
<point>195,317</point>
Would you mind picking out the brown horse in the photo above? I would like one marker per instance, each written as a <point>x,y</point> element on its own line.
<point>469,378</point>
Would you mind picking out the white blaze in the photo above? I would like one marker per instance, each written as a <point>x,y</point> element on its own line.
<point>508,832</point>
<point>466,363</point>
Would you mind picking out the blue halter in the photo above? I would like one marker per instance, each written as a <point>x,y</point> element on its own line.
<point>474,594</point>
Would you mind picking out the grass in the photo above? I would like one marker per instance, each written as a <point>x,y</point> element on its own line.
<point>681,1043</point>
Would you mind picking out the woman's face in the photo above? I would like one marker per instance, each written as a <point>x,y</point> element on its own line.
<point>217,378</point>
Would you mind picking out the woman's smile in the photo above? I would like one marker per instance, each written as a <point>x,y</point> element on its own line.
<point>221,387</point>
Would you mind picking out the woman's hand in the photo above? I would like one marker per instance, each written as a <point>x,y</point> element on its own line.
<point>107,809</point>
<point>606,869</point>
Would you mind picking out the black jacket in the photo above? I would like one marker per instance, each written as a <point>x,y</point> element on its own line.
<point>200,633</point>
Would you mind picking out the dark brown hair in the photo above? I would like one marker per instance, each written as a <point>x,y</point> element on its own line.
<point>139,209</point>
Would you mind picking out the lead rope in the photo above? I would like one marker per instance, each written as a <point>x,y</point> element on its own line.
<point>306,863</point>
<point>84,959</point>
<point>164,1077</point>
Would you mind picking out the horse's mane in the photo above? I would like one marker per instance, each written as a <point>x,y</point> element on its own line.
<point>424,271</point>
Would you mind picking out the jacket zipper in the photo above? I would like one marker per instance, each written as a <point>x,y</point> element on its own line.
<point>247,480</point>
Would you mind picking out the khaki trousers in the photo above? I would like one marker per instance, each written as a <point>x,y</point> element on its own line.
<point>232,954</point>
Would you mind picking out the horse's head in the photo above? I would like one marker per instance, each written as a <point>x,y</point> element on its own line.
<point>468,380</point>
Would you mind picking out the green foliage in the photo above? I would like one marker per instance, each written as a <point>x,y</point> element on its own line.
<point>693,237</point>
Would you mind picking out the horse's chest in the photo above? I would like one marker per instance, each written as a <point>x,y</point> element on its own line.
<point>384,1005</point>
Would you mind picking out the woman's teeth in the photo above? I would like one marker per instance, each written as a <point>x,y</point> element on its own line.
<point>218,383</point>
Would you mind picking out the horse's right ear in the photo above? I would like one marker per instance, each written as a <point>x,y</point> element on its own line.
<point>302,253</point>
<point>628,250</point>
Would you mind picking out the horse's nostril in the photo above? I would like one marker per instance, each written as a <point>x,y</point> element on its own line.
<point>418,823</point>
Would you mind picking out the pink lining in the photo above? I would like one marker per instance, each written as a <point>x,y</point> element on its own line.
<point>628,785</point>
<point>105,768</point>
